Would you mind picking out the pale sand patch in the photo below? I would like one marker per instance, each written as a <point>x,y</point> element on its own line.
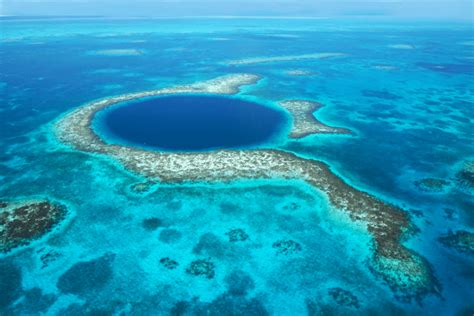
<point>301,73</point>
<point>260,60</point>
<point>117,52</point>
<point>402,46</point>
<point>385,67</point>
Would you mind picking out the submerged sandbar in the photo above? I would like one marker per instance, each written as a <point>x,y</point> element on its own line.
<point>261,60</point>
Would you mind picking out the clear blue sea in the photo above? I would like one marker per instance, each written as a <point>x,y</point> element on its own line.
<point>406,90</point>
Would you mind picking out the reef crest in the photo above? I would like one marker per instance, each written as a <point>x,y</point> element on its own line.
<point>304,122</point>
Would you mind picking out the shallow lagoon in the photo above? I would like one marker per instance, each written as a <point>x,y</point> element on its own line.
<point>411,111</point>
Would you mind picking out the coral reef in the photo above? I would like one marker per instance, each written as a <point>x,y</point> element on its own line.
<point>344,297</point>
<point>169,263</point>
<point>23,222</point>
<point>286,247</point>
<point>237,234</point>
<point>431,184</point>
<point>142,187</point>
<point>304,122</point>
<point>465,176</point>
<point>407,273</point>
<point>47,256</point>
<point>460,240</point>
<point>202,267</point>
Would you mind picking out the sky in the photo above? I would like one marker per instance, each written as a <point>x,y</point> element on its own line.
<point>425,9</point>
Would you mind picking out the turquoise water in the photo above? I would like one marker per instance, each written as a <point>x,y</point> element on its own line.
<point>406,90</point>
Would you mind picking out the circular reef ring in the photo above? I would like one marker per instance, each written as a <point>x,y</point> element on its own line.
<point>407,273</point>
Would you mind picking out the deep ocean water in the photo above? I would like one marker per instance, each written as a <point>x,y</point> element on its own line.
<point>245,247</point>
<point>191,123</point>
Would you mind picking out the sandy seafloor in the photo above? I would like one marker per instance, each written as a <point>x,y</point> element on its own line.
<point>412,120</point>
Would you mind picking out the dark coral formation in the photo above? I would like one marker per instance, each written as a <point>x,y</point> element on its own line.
<point>460,240</point>
<point>202,267</point>
<point>287,247</point>
<point>47,256</point>
<point>409,275</point>
<point>291,206</point>
<point>169,263</point>
<point>84,278</point>
<point>237,234</point>
<point>465,176</point>
<point>142,187</point>
<point>431,184</point>
<point>21,223</point>
<point>344,297</point>
<point>151,223</point>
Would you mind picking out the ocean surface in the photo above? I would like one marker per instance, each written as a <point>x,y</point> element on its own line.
<point>404,88</point>
<point>192,123</point>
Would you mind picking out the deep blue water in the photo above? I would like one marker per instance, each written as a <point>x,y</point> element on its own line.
<point>411,121</point>
<point>190,123</point>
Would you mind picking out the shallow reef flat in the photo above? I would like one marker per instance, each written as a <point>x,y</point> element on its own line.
<point>304,122</point>
<point>24,221</point>
<point>261,60</point>
<point>408,274</point>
